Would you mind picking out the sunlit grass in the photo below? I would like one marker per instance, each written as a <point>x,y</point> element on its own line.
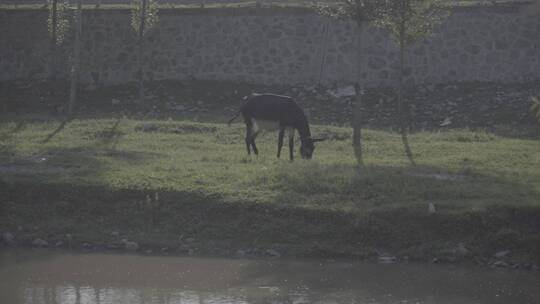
<point>459,170</point>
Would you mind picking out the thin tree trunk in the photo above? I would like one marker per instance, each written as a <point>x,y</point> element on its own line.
<point>76,60</point>
<point>324,49</point>
<point>54,25</point>
<point>141,51</point>
<point>98,296</point>
<point>357,112</point>
<point>401,112</point>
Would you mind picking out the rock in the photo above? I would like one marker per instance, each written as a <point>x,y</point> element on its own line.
<point>130,245</point>
<point>178,108</point>
<point>40,243</point>
<point>175,107</point>
<point>502,254</point>
<point>450,259</point>
<point>113,246</point>
<point>273,253</point>
<point>8,238</point>
<point>148,127</point>
<point>431,208</point>
<point>386,259</point>
<point>461,250</point>
<point>527,266</point>
<point>484,108</point>
<point>501,264</point>
<point>446,122</point>
<point>311,89</point>
<point>184,248</point>
<point>342,92</point>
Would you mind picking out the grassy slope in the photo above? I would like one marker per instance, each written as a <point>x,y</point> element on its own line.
<point>186,179</point>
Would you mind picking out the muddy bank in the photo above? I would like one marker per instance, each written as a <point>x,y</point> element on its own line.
<point>182,223</point>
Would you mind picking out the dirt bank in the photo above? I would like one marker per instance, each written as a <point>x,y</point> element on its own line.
<point>197,224</point>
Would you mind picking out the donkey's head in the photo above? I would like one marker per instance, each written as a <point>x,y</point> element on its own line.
<point>308,146</point>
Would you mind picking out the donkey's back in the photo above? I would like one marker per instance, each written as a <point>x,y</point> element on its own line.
<point>271,107</point>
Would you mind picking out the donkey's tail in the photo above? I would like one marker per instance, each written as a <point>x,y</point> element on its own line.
<point>232,119</point>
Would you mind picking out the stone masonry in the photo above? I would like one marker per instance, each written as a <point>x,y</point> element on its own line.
<point>279,46</point>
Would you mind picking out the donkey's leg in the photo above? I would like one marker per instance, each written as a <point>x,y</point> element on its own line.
<point>280,141</point>
<point>291,144</point>
<point>253,137</point>
<point>249,127</point>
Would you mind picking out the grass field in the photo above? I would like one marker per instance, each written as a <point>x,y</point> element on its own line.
<point>158,181</point>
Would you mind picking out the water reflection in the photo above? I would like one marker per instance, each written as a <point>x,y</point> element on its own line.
<point>47,277</point>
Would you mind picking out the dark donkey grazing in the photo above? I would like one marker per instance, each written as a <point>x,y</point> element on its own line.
<point>283,113</point>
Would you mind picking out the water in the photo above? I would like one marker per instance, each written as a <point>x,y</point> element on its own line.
<point>47,277</point>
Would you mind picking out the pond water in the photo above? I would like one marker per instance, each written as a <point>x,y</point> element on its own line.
<point>47,277</point>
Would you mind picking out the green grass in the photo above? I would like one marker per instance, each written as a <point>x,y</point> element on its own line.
<point>165,178</point>
<point>469,169</point>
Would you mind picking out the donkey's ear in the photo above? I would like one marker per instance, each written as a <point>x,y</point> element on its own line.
<point>318,139</point>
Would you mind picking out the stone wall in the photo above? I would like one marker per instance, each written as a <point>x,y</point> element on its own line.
<point>279,46</point>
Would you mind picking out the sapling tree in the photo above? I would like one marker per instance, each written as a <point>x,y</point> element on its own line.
<point>409,21</point>
<point>361,12</point>
<point>75,65</point>
<point>57,26</point>
<point>144,16</point>
<point>535,108</point>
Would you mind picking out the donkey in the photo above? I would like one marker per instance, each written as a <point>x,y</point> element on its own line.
<point>270,111</point>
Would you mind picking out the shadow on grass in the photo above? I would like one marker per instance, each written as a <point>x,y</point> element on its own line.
<point>319,211</point>
<point>5,136</point>
<point>76,165</point>
<point>109,138</point>
<point>7,150</point>
<point>54,165</point>
<point>56,131</point>
<point>19,126</point>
